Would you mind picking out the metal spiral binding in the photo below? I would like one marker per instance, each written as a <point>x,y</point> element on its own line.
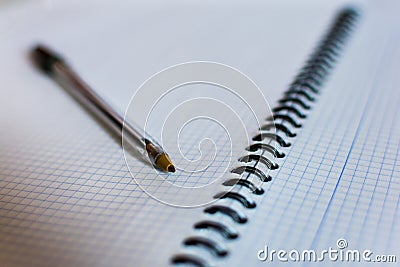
<point>293,106</point>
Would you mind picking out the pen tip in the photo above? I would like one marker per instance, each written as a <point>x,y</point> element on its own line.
<point>164,163</point>
<point>171,168</point>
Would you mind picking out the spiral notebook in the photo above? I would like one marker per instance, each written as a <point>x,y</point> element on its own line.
<point>319,172</point>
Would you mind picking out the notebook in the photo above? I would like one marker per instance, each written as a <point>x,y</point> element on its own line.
<point>306,164</point>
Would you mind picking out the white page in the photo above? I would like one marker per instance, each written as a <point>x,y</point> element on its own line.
<point>338,181</point>
<point>67,196</point>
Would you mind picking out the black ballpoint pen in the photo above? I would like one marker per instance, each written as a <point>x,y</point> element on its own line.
<point>55,67</point>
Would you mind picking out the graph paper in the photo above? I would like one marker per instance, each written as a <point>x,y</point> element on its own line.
<point>67,197</point>
<point>339,179</point>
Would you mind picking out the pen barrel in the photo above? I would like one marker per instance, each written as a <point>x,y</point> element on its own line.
<point>95,104</point>
<point>54,66</point>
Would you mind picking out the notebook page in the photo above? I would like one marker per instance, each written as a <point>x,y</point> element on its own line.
<point>67,197</point>
<point>338,179</point>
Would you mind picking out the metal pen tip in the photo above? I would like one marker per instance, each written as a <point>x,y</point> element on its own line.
<point>158,157</point>
<point>164,163</point>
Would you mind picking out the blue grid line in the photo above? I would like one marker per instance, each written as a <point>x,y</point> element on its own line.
<point>376,180</point>
<point>363,117</point>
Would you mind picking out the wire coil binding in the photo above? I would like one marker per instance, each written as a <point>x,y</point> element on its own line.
<point>292,107</point>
